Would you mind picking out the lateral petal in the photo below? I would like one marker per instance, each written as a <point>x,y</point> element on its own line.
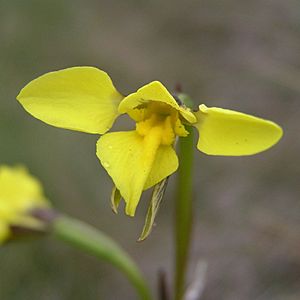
<point>230,133</point>
<point>78,98</point>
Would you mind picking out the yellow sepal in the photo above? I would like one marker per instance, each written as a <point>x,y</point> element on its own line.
<point>153,91</point>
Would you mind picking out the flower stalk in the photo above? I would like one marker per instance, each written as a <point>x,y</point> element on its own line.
<point>183,206</point>
<point>183,213</point>
<point>96,243</point>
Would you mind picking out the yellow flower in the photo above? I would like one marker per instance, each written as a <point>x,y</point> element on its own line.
<point>20,193</point>
<point>85,99</point>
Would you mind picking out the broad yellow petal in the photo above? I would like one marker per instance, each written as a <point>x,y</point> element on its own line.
<point>227,132</point>
<point>78,98</point>
<point>153,91</point>
<point>129,158</point>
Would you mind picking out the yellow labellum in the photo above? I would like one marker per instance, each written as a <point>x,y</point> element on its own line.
<point>135,163</point>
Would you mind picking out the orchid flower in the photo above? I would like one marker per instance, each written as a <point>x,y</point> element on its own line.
<point>85,99</point>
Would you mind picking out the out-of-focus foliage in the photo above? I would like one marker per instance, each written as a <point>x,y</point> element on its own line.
<point>242,55</point>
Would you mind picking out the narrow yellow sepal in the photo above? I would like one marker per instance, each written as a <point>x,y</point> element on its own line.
<point>78,98</point>
<point>115,199</point>
<point>230,133</point>
<point>156,199</point>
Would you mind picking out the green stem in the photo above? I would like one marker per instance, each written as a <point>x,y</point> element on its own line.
<point>94,242</point>
<point>183,210</point>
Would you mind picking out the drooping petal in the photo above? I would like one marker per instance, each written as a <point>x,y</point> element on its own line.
<point>78,98</point>
<point>129,158</point>
<point>153,91</point>
<point>231,133</point>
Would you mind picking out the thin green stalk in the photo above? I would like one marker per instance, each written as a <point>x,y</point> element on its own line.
<point>183,213</point>
<point>90,240</point>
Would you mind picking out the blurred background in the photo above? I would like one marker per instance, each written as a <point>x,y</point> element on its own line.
<point>243,55</point>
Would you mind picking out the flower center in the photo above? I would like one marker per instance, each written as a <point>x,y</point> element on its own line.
<point>161,119</point>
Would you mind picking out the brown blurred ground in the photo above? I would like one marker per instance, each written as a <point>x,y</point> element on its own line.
<point>243,55</point>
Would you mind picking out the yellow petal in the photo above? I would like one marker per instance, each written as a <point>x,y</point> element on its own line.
<point>78,98</point>
<point>227,132</point>
<point>129,158</point>
<point>153,91</point>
